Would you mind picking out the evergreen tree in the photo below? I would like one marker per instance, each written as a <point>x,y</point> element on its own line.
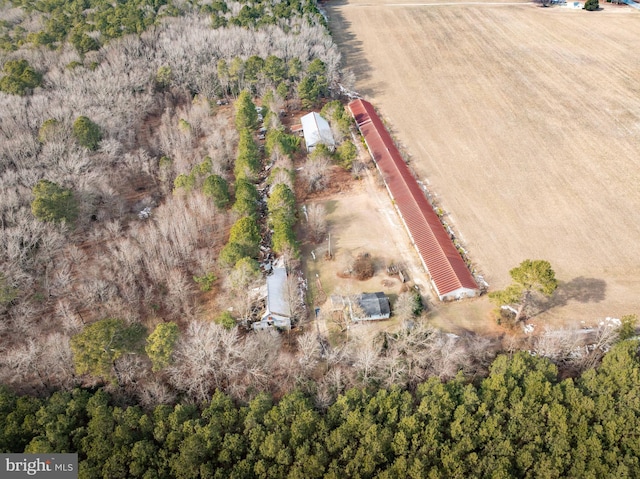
<point>591,5</point>
<point>528,277</point>
<point>276,138</point>
<point>282,217</point>
<point>245,233</point>
<point>53,203</point>
<point>99,345</point>
<point>83,43</point>
<point>520,421</point>
<point>87,133</point>
<point>248,160</point>
<point>216,188</point>
<point>19,78</point>
<point>346,153</point>
<point>275,69</point>
<point>160,344</point>
<point>282,205</point>
<point>314,85</point>
<point>246,114</point>
<point>247,197</point>
<point>253,70</point>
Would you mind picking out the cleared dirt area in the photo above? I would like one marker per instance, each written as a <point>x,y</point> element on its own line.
<point>360,219</point>
<point>525,122</point>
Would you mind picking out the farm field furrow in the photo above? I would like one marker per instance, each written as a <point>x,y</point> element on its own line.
<point>525,122</point>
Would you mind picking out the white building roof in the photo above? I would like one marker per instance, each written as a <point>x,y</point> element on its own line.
<point>277,303</point>
<point>316,130</point>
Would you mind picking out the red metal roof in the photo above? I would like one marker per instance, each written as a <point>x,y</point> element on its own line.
<point>440,257</point>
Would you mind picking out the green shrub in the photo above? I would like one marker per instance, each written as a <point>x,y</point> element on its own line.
<point>185,182</point>
<point>231,254</point>
<point>288,143</point>
<point>184,125</point>
<point>7,291</point>
<point>205,281</point>
<point>48,129</point>
<point>225,320</point>
<point>346,153</point>
<point>73,65</point>
<point>160,345</point>
<point>164,77</point>
<point>165,162</point>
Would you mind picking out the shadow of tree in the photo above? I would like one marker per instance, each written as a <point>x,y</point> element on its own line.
<point>580,289</point>
<point>350,46</point>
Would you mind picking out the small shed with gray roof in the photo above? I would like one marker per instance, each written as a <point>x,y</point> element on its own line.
<point>370,307</point>
<point>361,307</point>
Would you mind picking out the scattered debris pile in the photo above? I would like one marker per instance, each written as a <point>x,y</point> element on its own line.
<point>361,268</point>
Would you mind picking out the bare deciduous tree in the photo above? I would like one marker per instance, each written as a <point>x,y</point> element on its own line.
<point>367,364</point>
<point>405,306</point>
<point>316,173</point>
<point>155,392</point>
<point>317,221</point>
<point>206,357</point>
<point>308,350</point>
<point>70,319</point>
<point>576,349</point>
<point>294,295</point>
<point>261,352</point>
<point>244,285</point>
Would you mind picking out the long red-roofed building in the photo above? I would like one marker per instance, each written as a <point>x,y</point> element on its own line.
<point>450,277</point>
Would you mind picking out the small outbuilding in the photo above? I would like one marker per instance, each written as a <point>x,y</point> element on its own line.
<point>316,131</point>
<point>370,307</point>
<point>278,312</point>
<point>362,307</point>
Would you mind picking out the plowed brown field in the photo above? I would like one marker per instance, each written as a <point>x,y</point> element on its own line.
<point>525,122</point>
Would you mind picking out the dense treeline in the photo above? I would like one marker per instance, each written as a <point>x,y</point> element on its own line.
<point>89,24</point>
<point>521,421</point>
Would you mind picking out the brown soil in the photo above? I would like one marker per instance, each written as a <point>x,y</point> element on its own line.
<point>340,183</point>
<point>525,122</point>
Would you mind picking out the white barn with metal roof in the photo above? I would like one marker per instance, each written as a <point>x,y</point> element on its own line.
<point>316,131</point>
